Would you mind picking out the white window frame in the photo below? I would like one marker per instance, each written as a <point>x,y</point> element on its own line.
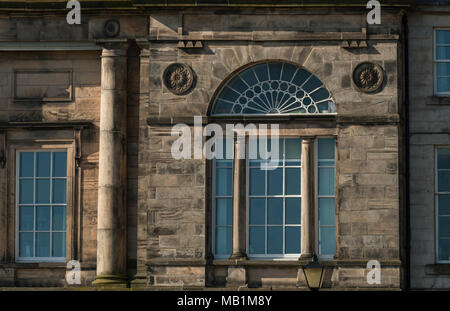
<point>436,61</point>
<point>436,203</point>
<point>16,209</point>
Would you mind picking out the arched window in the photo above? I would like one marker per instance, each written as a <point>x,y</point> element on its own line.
<point>273,88</point>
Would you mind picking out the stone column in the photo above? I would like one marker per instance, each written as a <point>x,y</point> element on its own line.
<point>239,199</point>
<point>111,223</point>
<point>307,178</point>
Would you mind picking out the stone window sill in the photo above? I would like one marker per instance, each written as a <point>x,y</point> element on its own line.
<point>437,269</point>
<point>438,100</point>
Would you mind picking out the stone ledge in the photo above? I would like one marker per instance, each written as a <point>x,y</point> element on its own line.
<point>437,269</point>
<point>438,100</point>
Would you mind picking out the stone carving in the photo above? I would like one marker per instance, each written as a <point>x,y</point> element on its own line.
<point>178,78</point>
<point>368,77</point>
<point>111,28</point>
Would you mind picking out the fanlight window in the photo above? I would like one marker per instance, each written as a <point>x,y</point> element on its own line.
<point>274,88</point>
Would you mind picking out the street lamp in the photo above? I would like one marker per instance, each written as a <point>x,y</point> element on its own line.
<point>313,273</point>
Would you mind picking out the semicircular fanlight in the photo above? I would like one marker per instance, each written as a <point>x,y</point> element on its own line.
<point>273,88</point>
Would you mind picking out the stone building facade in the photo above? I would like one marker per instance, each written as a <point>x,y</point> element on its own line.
<point>106,94</point>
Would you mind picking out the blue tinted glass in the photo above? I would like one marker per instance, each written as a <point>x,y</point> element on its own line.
<point>293,149</point>
<point>443,36</point>
<point>444,249</point>
<point>261,72</point>
<point>300,77</point>
<point>275,211</point>
<point>43,164</point>
<point>326,148</point>
<point>26,164</point>
<point>43,244</point>
<point>257,240</point>
<point>257,182</point>
<point>59,244</point>
<point>292,244</point>
<point>26,217</point>
<point>257,211</point>
<point>59,164</point>
<point>312,84</point>
<point>43,191</point>
<point>238,85</point>
<point>275,181</point>
<point>443,84</point>
<point>320,94</point>
<point>443,69</point>
<point>443,181</point>
<point>275,240</point>
<point>444,227</point>
<point>26,248</point>
<point>443,52</point>
<point>26,191</point>
<point>224,182</point>
<point>59,191</point>
<point>327,243</point>
<point>224,212</point>
<point>229,94</point>
<point>275,71</point>
<point>292,176</point>
<point>443,158</point>
<point>222,107</point>
<point>293,211</point>
<point>444,204</point>
<point>59,218</point>
<point>223,240</point>
<point>249,77</point>
<point>326,211</point>
<point>43,218</point>
<point>326,181</point>
<point>288,72</point>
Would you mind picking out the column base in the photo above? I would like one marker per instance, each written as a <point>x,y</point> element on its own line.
<point>118,280</point>
<point>140,280</point>
<point>238,256</point>
<point>306,256</point>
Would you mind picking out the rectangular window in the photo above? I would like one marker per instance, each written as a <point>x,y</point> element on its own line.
<point>326,197</point>
<point>41,205</point>
<point>274,204</point>
<point>443,204</point>
<point>442,61</point>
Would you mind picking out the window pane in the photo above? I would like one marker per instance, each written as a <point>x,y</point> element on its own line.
<point>275,240</point>
<point>257,211</point>
<point>26,218</point>
<point>26,164</point>
<point>43,244</point>
<point>292,235</point>
<point>26,244</point>
<point>275,71</point>
<point>224,181</point>
<point>443,84</point>
<point>327,241</point>
<point>257,240</point>
<point>288,72</point>
<point>223,240</point>
<point>43,218</point>
<point>257,182</point>
<point>26,191</point>
<point>443,69</point>
<point>293,211</point>
<point>443,52</point>
<point>443,36</point>
<point>444,204</point>
<point>275,211</point>
<point>443,181</point>
<point>326,181</point>
<point>443,158</point>
<point>59,218</point>
<point>59,244</point>
<point>59,164</point>
<point>292,180</point>
<point>326,211</point>
<point>43,164</point>
<point>59,191</point>
<point>224,213</point>
<point>293,149</point>
<point>275,181</point>
<point>444,227</point>
<point>42,191</point>
<point>325,148</point>
<point>444,249</point>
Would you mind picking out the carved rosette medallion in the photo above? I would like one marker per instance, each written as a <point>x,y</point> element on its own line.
<point>178,78</point>
<point>368,77</point>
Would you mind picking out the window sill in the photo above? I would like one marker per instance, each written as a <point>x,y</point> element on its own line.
<point>438,269</point>
<point>438,100</point>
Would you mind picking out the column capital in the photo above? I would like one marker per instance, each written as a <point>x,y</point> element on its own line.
<point>114,48</point>
<point>308,139</point>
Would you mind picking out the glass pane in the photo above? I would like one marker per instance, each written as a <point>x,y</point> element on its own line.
<point>293,211</point>
<point>327,243</point>
<point>59,164</point>
<point>238,85</point>
<point>26,244</point>
<point>326,181</point>
<point>292,235</point>
<point>292,181</point>
<point>443,84</point>
<point>224,215</point>
<point>444,227</point>
<point>293,149</point>
<point>443,36</point>
<point>443,181</point>
<point>275,71</point>
<point>325,148</point>
<point>59,218</point>
<point>444,204</point>
<point>300,77</point>
<point>443,52</point>
<point>326,211</point>
<point>224,182</point>
<point>288,72</point>
<point>257,211</point>
<point>275,211</point>
<point>312,84</point>
<point>229,94</point>
<point>249,77</point>
<point>26,191</point>
<point>26,164</point>
<point>59,191</point>
<point>275,181</point>
<point>59,244</point>
<point>43,218</point>
<point>257,240</point>
<point>443,69</point>
<point>43,191</point>
<point>224,236</point>
<point>43,244</point>
<point>257,182</point>
<point>26,217</point>
<point>275,240</point>
<point>43,164</point>
<point>444,249</point>
<point>443,158</point>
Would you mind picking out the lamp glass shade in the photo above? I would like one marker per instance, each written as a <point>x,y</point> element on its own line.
<point>313,275</point>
